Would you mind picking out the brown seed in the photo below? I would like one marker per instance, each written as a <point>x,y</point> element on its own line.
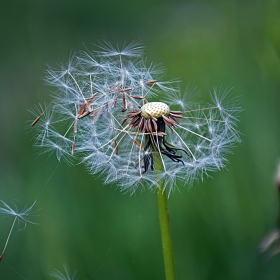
<point>92,97</point>
<point>177,112</point>
<point>133,114</point>
<point>155,125</point>
<point>116,147</point>
<point>138,144</point>
<point>123,122</point>
<point>140,97</point>
<point>36,120</point>
<point>114,86</point>
<point>114,103</point>
<point>83,115</point>
<point>176,116</point>
<point>123,104</point>
<point>82,108</point>
<point>125,89</point>
<point>151,82</point>
<point>169,122</point>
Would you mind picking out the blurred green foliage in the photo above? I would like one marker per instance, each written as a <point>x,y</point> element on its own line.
<point>97,231</point>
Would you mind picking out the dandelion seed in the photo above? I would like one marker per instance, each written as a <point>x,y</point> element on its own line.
<point>133,49</point>
<point>56,274</point>
<point>20,216</point>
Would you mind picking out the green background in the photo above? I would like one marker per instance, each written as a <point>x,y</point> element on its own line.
<point>97,231</point>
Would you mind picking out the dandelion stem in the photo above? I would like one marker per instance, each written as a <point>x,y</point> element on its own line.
<point>164,223</point>
<point>8,238</point>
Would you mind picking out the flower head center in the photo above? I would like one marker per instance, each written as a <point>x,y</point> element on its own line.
<point>154,109</point>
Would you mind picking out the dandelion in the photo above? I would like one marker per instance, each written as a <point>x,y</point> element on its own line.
<point>56,274</point>
<point>20,216</point>
<point>116,115</point>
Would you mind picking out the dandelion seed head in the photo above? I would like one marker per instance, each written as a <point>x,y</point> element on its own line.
<point>118,116</point>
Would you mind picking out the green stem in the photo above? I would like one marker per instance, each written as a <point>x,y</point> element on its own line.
<point>164,223</point>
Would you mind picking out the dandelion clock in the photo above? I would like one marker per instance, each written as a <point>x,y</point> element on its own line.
<point>118,116</point>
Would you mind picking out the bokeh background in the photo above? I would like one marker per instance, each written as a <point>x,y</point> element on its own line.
<point>97,231</point>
